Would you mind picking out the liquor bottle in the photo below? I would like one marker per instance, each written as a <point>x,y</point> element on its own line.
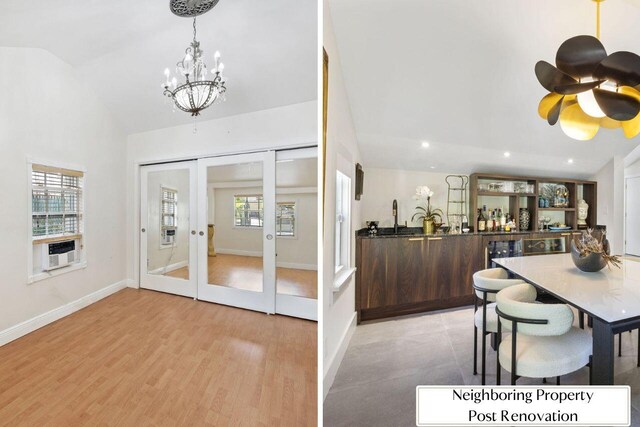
<point>503,220</point>
<point>490,222</point>
<point>482,223</point>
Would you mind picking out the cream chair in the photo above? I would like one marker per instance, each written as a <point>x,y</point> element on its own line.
<point>486,284</point>
<point>542,343</point>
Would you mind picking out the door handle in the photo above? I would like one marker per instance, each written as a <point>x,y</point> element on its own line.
<point>416,239</point>
<point>434,238</point>
<point>144,229</point>
<point>201,233</point>
<point>193,232</point>
<point>269,236</point>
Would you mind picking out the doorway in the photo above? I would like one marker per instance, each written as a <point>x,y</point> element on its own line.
<point>632,216</point>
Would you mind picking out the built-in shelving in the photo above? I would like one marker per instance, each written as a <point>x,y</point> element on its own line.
<point>513,201</point>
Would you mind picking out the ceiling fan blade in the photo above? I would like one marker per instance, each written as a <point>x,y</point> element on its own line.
<point>632,92</point>
<point>621,67</point>
<point>572,89</point>
<point>550,77</point>
<point>579,56</point>
<point>631,128</point>
<point>554,112</point>
<point>617,106</point>
<point>576,124</point>
<point>547,103</point>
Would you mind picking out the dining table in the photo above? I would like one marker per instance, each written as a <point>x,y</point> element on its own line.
<point>611,297</point>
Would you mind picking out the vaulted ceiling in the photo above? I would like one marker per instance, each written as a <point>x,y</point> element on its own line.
<point>122,47</point>
<point>459,74</point>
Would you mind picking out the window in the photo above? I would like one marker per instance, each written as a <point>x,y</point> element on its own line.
<point>286,219</point>
<point>168,210</point>
<point>343,222</point>
<point>248,211</point>
<point>56,202</point>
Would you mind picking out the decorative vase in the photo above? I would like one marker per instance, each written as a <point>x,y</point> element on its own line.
<point>525,219</point>
<point>427,226</point>
<point>541,202</point>
<point>590,263</point>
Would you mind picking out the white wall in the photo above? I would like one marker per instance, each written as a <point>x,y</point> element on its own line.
<point>48,114</point>
<point>611,202</point>
<point>298,252</point>
<point>382,186</point>
<point>290,126</point>
<point>342,151</point>
<point>168,257</point>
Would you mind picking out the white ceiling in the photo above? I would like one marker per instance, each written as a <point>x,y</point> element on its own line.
<point>460,75</point>
<point>121,47</point>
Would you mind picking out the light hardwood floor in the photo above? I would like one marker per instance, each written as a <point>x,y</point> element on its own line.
<point>140,358</point>
<point>245,272</point>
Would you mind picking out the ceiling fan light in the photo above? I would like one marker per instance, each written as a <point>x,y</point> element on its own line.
<point>589,105</point>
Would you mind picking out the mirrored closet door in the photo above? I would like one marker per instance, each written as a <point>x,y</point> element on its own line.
<point>236,198</point>
<point>168,240</point>
<point>297,233</point>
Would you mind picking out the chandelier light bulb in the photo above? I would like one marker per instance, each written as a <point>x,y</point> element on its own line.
<point>220,68</point>
<point>174,82</point>
<point>589,105</point>
<point>167,73</point>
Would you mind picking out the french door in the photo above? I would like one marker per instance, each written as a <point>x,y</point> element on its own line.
<point>168,240</point>
<point>236,201</point>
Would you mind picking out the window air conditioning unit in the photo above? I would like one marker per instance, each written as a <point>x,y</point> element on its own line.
<point>168,235</point>
<point>58,254</point>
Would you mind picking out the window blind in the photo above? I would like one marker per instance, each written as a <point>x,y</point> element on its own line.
<point>56,202</point>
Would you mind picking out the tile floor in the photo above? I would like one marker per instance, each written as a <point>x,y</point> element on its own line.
<point>386,360</point>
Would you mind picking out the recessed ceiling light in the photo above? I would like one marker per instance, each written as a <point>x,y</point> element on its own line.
<point>432,167</point>
<point>507,154</point>
<point>425,144</point>
<point>570,161</point>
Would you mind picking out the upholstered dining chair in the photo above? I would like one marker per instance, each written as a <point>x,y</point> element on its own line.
<point>543,342</point>
<point>487,283</point>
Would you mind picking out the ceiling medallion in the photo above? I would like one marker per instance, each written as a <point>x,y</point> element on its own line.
<point>191,8</point>
<point>590,89</point>
<point>199,90</point>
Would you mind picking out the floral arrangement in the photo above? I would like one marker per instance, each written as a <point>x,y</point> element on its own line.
<point>588,244</point>
<point>426,212</point>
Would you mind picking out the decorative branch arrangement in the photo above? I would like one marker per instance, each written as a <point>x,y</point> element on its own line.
<point>588,244</point>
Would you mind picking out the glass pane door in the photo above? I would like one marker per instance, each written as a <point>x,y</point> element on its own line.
<point>297,232</point>
<point>167,234</point>
<point>237,210</point>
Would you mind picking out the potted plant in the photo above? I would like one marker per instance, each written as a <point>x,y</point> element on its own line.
<point>591,254</point>
<point>426,213</point>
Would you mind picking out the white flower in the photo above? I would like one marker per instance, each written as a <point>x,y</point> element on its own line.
<point>423,192</point>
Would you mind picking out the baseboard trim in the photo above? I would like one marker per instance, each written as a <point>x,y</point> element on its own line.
<point>170,267</point>
<point>238,252</point>
<point>334,363</point>
<point>28,326</point>
<point>297,266</point>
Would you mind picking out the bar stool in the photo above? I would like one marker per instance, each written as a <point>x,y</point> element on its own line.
<point>486,284</point>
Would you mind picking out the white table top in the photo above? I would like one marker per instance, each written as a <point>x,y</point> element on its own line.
<point>612,295</point>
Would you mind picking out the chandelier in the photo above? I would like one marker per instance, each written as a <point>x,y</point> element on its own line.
<point>200,89</point>
<point>590,89</point>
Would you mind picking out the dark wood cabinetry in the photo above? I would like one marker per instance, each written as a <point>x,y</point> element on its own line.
<point>403,275</point>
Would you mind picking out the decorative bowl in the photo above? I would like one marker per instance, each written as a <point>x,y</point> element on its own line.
<point>590,263</point>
